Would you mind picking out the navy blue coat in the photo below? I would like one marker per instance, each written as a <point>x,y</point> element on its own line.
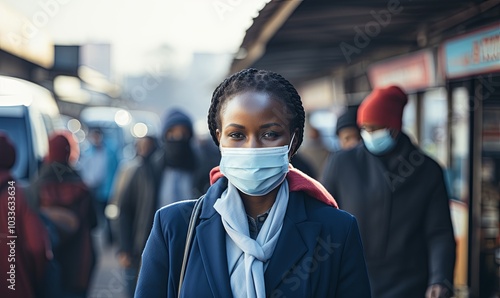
<point>319,253</point>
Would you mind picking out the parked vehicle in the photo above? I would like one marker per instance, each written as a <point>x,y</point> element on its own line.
<point>28,114</point>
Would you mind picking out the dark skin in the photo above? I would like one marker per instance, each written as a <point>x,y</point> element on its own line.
<point>373,127</point>
<point>252,119</point>
<point>349,137</point>
<point>177,132</point>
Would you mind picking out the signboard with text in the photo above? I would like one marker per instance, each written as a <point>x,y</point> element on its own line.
<point>475,53</point>
<point>411,72</point>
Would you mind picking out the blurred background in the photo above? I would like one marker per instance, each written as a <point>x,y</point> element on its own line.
<point>75,65</point>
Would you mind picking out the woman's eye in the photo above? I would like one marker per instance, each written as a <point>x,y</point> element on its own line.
<point>236,135</point>
<point>271,134</point>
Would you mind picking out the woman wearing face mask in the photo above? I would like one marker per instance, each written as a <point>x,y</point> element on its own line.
<point>264,229</point>
<point>398,194</point>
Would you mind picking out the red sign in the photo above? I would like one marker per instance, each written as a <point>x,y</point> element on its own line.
<point>411,72</point>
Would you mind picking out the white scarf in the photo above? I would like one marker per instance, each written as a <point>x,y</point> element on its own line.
<point>247,257</point>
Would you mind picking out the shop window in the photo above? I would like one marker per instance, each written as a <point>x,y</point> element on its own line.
<point>434,128</point>
<point>458,174</point>
<point>410,118</point>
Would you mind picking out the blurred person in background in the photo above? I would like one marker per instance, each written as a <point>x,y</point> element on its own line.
<point>24,245</point>
<point>301,163</point>
<point>398,194</point>
<point>144,148</point>
<point>209,154</point>
<point>313,153</point>
<point>261,222</point>
<point>348,134</point>
<point>64,198</point>
<point>347,129</point>
<point>97,167</point>
<point>167,176</point>
<point>177,160</point>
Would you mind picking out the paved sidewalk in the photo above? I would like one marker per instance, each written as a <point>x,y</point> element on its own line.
<point>108,278</point>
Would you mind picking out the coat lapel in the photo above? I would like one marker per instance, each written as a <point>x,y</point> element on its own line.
<point>212,242</point>
<point>296,239</point>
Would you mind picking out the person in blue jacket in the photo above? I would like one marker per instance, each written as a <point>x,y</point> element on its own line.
<point>265,229</point>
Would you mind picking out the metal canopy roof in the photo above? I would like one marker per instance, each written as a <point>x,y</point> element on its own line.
<point>307,39</point>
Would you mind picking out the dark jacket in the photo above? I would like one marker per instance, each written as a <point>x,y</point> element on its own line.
<point>137,206</point>
<point>318,254</point>
<point>401,203</point>
<point>139,200</point>
<point>59,186</point>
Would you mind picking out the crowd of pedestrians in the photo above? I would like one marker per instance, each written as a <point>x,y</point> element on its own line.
<point>249,213</point>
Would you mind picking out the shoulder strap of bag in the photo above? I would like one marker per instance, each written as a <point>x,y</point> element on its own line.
<point>189,239</point>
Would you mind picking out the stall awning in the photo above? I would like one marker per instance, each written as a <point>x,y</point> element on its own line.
<point>307,39</point>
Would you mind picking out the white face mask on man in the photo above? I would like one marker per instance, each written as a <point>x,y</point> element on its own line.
<point>255,171</point>
<point>379,141</point>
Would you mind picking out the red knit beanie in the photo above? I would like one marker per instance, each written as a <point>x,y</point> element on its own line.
<point>59,149</point>
<point>384,107</point>
<point>7,152</point>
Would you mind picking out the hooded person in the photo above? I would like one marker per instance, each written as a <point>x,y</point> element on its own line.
<point>348,135</point>
<point>347,129</point>
<point>399,196</point>
<point>167,176</point>
<point>179,159</point>
<point>177,137</point>
<point>65,199</point>
<point>28,238</point>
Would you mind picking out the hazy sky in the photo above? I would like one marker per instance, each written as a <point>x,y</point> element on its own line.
<point>141,31</point>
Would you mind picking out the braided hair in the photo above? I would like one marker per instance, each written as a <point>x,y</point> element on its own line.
<point>264,81</point>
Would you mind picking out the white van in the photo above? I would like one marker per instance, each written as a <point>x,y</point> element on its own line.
<point>28,114</point>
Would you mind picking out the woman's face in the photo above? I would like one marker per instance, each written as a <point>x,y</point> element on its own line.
<point>254,120</point>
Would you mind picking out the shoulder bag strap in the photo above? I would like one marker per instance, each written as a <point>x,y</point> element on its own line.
<point>189,239</point>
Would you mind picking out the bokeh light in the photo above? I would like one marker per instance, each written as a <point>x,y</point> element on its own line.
<point>122,118</point>
<point>139,130</point>
<point>74,125</point>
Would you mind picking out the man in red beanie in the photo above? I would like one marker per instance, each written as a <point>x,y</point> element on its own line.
<point>399,197</point>
<point>24,243</point>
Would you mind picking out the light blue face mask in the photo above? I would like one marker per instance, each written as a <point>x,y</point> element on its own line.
<point>379,141</point>
<point>255,171</point>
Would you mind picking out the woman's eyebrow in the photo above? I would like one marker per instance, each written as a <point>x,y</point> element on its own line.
<point>267,125</point>
<point>235,125</point>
